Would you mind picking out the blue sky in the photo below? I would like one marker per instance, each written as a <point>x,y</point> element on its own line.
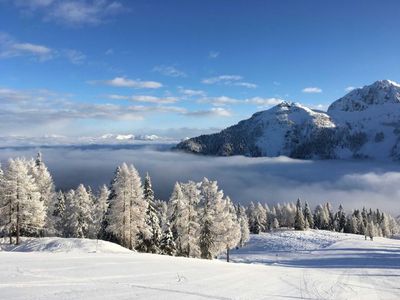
<point>183,67</point>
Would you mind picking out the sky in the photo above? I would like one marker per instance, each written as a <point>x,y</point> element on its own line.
<point>177,68</point>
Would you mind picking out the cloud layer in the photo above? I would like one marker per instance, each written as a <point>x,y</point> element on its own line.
<point>351,183</point>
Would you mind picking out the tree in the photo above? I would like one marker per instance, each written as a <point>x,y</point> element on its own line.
<point>178,217</point>
<point>78,213</point>
<point>321,217</point>
<point>190,238</point>
<point>100,211</point>
<point>22,211</point>
<point>59,212</point>
<point>308,216</point>
<point>46,189</point>
<point>126,219</point>
<point>231,228</point>
<point>167,244</point>
<point>299,223</point>
<point>244,226</point>
<point>152,242</point>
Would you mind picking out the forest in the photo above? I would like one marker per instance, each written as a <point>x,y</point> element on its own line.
<point>198,220</point>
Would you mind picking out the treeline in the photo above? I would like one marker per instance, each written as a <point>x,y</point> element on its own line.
<point>367,222</point>
<point>197,221</point>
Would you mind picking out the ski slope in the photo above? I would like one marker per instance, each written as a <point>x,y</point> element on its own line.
<point>281,265</point>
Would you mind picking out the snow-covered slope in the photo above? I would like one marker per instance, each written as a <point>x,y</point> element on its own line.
<point>282,130</point>
<point>318,265</point>
<point>54,244</point>
<point>363,124</point>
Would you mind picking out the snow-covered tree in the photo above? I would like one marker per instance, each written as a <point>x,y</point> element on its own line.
<point>321,217</point>
<point>190,238</point>
<point>275,224</point>
<point>152,242</point>
<point>167,243</point>
<point>100,211</point>
<point>59,212</point>
<point>308,217</point>
<point>244,226</point>
<point>178,217</point>
<point>299,223</point>
<point>45,187</point>
<point>78,213</point>
<point>22,211</point>
<point>126,218</point>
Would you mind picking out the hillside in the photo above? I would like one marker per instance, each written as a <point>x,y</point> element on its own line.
<point>362,124</point>
<point>312,265</point>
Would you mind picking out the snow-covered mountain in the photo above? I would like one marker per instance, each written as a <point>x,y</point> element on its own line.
<point>365,123</point>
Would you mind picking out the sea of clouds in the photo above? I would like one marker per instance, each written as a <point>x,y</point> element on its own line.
<point>350,183</point>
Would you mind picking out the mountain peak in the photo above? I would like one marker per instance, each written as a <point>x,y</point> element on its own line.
<point>381,92</point>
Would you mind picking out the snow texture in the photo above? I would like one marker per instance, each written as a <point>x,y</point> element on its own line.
<point>309,265</point>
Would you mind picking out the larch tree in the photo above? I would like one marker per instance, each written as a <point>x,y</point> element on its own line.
<point>22,211</point>
<point>178,217</point>
<point>45,185</point>
<point>126,216</point>
<point>78,213</point>
<point>190,238</point>
<point>244,226</point>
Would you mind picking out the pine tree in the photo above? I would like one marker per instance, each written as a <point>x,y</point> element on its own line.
<point>308,216</point>
<point>275,224</point>
<point>100,211</point>
<point>299,223</point>
<point>59,212</point>
<point>152,243</point>
<point>167,244</point>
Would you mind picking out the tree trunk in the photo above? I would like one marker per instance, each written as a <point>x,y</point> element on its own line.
<point>227,254</point>
<point>18,220</point>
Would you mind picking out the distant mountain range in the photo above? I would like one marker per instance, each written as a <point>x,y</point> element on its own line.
<point>365,123</point>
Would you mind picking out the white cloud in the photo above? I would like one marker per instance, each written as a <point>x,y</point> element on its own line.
<point>312,90</point>
<point>219,101</point>
<point>72,12</point>
<point>213,54</point>
<point>192,93</point>
<point>232,80</point>
<point>349,88</point>
<point>129,83</point>
<point>246,84</point>
<point>9,47</point>
<point>145,99</point>
<point>74,56</point>
<point>262,102</point>
<point>215,111</point>
<point>170,71</point>
<point>222,79</point>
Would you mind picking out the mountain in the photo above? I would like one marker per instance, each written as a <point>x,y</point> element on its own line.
<point>365,123</point>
